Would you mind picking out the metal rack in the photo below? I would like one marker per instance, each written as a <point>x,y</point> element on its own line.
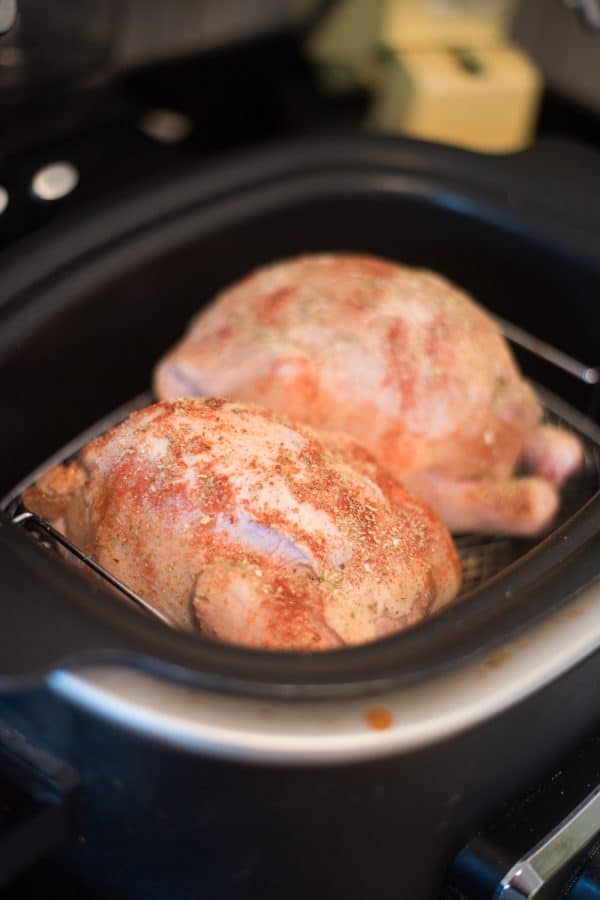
<point>482,556</point>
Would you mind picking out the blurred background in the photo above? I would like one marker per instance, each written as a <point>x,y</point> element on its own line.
<point>99,95</point>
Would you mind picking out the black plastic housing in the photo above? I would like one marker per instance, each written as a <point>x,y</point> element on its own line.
<point>88,308</point>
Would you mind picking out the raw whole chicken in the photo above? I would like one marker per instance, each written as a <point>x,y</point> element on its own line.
<point>401,360</point>
<point>231,519</point>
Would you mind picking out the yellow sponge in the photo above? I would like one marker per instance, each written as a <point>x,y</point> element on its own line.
<point>484,99</point>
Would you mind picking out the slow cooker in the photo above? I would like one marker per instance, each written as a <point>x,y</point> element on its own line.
<point>149,762</point>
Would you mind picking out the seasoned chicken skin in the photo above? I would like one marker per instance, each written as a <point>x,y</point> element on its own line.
<point>401,360</point>
<point>231,519</point>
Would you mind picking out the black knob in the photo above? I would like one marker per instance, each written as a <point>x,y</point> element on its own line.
<point>587,886</point>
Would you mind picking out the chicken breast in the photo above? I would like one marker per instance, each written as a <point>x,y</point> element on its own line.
<point>232,520</point>
<point>401,360</point>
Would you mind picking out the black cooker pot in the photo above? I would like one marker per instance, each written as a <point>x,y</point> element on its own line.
<point>216,771</point>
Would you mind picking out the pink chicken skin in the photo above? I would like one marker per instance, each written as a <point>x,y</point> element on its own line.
<point>230,519</point>
<point>399,359</point>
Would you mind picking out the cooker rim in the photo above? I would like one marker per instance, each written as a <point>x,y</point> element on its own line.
<point>339,731</point>
<point>22,279</point>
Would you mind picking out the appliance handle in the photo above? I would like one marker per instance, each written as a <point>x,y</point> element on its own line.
<point>39,800</point>
<point>536,871</point>
<point>545,845</point>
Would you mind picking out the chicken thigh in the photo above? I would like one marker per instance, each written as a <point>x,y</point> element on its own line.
<point>230,519</point>
<point>401,360</point>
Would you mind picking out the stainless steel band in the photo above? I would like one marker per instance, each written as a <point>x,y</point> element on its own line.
<point>530,876</point>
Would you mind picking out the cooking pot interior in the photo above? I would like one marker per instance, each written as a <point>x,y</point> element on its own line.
<point>89,338</point>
